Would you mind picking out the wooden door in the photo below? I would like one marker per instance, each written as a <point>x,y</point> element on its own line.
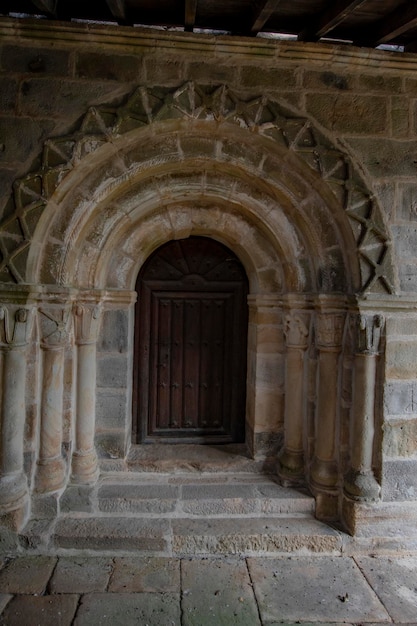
<point>190,344</point>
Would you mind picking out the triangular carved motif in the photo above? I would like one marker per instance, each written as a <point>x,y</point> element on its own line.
<point>261,114</point>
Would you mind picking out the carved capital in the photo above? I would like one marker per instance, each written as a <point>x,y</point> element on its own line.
<point>296,331</point>
<point>87,322</point>
<point>330,328</point>
<point>15,325</point>
<point>369,330</point>
<point>54,324</point>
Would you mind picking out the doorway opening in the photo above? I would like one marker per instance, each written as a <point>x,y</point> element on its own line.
<point>191,331</point>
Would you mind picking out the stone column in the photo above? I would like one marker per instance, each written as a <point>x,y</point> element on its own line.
<point>84,458</point>
<point>15,327</point>
<point>53,320</point>
<point>291,458</point>
<point>329,333</point>
<point>360,483</point>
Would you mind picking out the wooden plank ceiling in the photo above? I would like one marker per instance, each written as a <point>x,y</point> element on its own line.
<point>368,23</point>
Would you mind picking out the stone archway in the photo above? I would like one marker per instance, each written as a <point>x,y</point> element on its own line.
<point>199,161</point>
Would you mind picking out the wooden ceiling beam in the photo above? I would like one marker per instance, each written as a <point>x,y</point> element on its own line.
<point>337,13</point>
<point>118,9</point>
<point>262,14</point>
<point>190,14</point>
<point>46,6</point>
<point>394,25</point>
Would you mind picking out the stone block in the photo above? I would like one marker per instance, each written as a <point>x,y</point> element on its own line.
<point>269,78</point>
<point>329,80</point>
<point>49,98</point>
<point>137,498</point>
<point>400,116</point>
<point>76,498</point>
<point>160,71</point>
<point>8,95</point>
<point>112,371</point>
<point>399,480</point>
<point>112,533</point>
<point>114,333</point>
<point>35,535</point>
<point>314,589</point>
<point>111,444</point>
<point>405,239</point>
<point>384,158</point>
<point>81,575</point>
<point>401,359</point>
<point>218,592</point>
<point>33,60</point>
<point>45,610</point>
<point>209,73</point>
<point>407,205</point>
<point>138,608</point>
<point>101,66</point>
<point>408,277</point>
<point>352,114</point>
<point>380,82</point>
<point>146,575</point>
<point>21,138</point>
<point>399,398</point>
<point>253,535</point>
<point>400,438</point>
<point>29,574</point>
<point>209,500</point>
<point>110,409</point>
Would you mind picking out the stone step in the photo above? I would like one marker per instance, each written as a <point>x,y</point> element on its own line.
<point>186,536</point>
<point>203,496</point>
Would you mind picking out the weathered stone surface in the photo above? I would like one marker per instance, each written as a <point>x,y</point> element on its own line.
<point>328,79</point>
<point>112,371</point>
<point>138,498</point>
<point>21,137</point>
<point>112,533</point>
<point>26,574</point>
<point>219,590</point>
<point>394,580</point>
<point>76,498</point>
<point>154,609</point>
<point>163,71</point>
<point>35,60</point>
<point>323,589</point>
<point>153,575</point>
<point>399,398</point>
<point>399,480</point>
<point>8,94</point>
<point>114,335</point>
<point>400,438</point>
<point>385,157</point>
<point>96,66</point>
<point>81,575</point>
<point>4,600</point>
<point>110,409</point>
<point>44,610</point>
<point>354,115</point>
<point>269,78</point>
<point>249,535</point>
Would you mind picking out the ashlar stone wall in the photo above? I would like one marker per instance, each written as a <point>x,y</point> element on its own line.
<point>302,158</point>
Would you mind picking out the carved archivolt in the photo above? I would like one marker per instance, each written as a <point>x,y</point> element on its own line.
<point>261,116</point>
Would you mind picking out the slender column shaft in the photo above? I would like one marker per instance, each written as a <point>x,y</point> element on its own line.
<point>324,470</point>
<point>14,332</point>
<point>53,325</point>
<point>84,459</point>
<point>291,458</point>
<point>360,483</point>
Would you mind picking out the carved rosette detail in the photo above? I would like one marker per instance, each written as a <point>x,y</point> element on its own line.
<point>269,118</point>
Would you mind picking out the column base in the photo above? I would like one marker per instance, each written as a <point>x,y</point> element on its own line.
<point>324,475</point>
<point>13,492</point>
<point>50,475</point>
<point>85,469</point>
<point>291,467</point>
<point>361,486</point>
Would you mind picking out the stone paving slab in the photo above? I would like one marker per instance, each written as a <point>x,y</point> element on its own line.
<point>141,574</point>
<point>252,535</point>
<point>319,589</point>
<point>217,593</point>
<point>26,575</point>
<point>23,610</point>
<point>395,582</point>
<point>81,575</point>
<point>129,609</point>
<point>137,498</point>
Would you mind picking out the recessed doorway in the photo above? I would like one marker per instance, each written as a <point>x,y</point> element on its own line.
<point>190,345</point>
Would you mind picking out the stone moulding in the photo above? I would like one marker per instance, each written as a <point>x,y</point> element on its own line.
<point>261,116</point>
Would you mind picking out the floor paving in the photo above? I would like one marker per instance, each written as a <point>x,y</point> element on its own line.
<point>208,591</point>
